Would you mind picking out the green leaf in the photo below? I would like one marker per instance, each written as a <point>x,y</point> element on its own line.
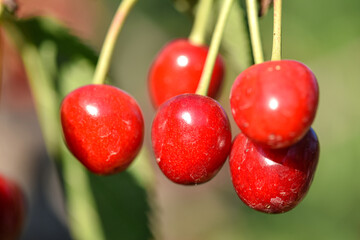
<point>99,208</point>
<point>122,205</point>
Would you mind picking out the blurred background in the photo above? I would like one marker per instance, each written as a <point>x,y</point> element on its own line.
<point>325,35</point>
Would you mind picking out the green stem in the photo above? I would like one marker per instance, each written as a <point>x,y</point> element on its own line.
<point>276,51</point>
<point>107,50</point>
<point>252,14</point>
<point>84,220</point>
<point>214,48</point>
<point>45,98</point>
<point>198,31</point>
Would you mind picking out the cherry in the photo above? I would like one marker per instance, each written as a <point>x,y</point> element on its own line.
<point>12,210</point>
<point>274,103</point>
<point>191,138</point>
<point>103,127</point>
<point>273,180</point>
<point>177,69</point>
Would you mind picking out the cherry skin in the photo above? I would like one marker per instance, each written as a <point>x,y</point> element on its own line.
<point>177,69</point>
<point>103,127</point>
<point>12,210</point>
<point>273,180</point>
<point>274,103</point>
<point>191,138</point>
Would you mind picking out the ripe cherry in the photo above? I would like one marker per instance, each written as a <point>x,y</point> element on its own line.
<point>191,138</point>
<point>273,180</point>
<point>274,103</point>
<point>12,210</point>
<point>177,69</point>
<point>103,127</point>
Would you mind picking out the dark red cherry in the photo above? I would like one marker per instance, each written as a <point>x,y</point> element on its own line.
<point>273,180</point>
<point>12,210</point>
<point>191,138</point>
<point>177,69</point>
<point>103,127</point>
<point>274,103</point>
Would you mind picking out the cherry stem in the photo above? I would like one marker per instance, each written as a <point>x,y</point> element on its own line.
<point>214,48</point>
<point>253,18</point>
<point>276,51</point>
<point>107,50</point>
<point>198,31</point>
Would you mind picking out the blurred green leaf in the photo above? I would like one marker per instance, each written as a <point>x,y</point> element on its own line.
<point>122,206</point>
<point>57,62</point>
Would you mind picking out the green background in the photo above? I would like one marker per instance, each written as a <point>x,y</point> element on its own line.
<point>325,35</point>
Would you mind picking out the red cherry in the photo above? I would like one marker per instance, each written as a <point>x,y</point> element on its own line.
<point>274,103</point>
<point>177,69</point>
<point>273,180</point>
<point>12,210</point>
<point>191,138</point>
<point>103,127</point>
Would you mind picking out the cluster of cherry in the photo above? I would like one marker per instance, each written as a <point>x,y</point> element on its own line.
<point>274,103</point>
<point>272,161</point>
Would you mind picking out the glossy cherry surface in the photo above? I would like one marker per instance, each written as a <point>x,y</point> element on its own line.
<point>177,69</point>
<point>274,103</point>
<point>12,210</point>
<point>273,180</point>
<point>191,138</point>
<point>103,127</point>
